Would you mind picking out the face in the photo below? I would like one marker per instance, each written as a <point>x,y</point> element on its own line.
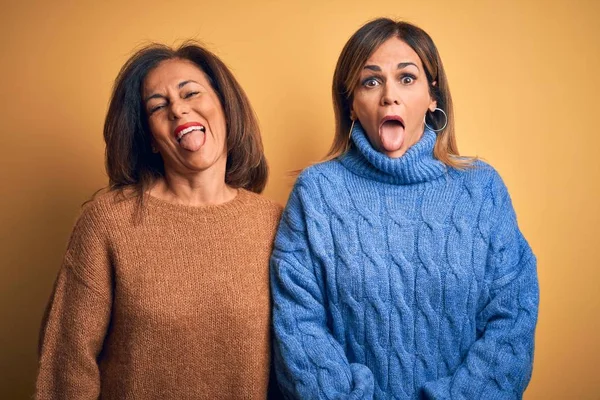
<point>185,117</point>
<point>392,97</point>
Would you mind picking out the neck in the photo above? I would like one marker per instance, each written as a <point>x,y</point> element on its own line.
<point>416,165</point>
<point>196,190</point>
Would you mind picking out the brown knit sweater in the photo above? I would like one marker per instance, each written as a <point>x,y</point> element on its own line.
<point>174,305</point>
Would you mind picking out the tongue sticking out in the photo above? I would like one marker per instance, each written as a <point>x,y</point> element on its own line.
<point>391,134</point>
<point>192,141</point>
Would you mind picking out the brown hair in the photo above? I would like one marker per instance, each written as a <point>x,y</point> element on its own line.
<point>130,162</point>
<point>353,58</point>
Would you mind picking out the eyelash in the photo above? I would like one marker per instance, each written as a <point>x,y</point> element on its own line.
<point>365,82</point>
<point>158,107</point>
<point>369,79</point>
<point>186,96</point>
<point>411,76</point>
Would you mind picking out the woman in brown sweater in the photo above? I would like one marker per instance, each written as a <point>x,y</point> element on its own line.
<point>164,290</point>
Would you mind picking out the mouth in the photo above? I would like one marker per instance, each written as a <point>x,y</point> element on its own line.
<point>185,129</point>
<point>391,133</point>
<point>391,121</point>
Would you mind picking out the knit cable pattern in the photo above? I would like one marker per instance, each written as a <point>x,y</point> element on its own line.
<point>402,279</point>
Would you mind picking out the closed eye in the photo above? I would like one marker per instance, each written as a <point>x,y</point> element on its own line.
<point>156,108</point>
<point>190,94</point>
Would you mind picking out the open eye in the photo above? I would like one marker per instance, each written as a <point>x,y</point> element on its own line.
<point>407,79</point>
<point>370,82</point>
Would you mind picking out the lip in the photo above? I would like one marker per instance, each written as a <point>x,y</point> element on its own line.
<point>185,126</point>
<point>391,118</point>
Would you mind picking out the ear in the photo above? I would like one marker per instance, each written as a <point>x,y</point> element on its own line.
<point>433,103</point>
<point>153,146</point>
<point>352,115</point>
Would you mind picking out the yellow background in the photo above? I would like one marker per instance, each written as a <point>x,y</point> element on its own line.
<point>523,74</point>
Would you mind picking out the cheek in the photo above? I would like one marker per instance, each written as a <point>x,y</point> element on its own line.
<point>366,113</point>
<point>219,117</point>
<point>211,109</point>
<point>420,105</point>
<point>215,116</point>
<point>152,126</point>
<point>160,129</point>
<point>363,108</point>
<point>425,98</point>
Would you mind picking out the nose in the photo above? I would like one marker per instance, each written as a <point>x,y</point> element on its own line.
<point>178,109</point>
<point>390,95</point>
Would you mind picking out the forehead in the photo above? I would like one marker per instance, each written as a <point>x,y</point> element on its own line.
<point>394,51</point>
<point>170,73</point>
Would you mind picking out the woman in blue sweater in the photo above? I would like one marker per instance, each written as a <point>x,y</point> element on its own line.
<point>399,270</point>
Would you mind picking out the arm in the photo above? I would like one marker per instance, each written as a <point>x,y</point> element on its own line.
<point>499,364</point>
<point>309,362</point>
<point>76,318</point>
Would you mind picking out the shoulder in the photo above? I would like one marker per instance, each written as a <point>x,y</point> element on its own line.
<point>330,167</point>
<point>108,207</point>
<point>259,213</point>
<point>484,181</point>
<point>483,176</point>
<point>95,225</point>
<point>319,187</point>
<point>261,203</point>
<point>321,174</point>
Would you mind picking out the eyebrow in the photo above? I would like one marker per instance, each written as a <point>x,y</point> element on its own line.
<point>182,84</point>
<point>160,96</point>
<point>400,66</point>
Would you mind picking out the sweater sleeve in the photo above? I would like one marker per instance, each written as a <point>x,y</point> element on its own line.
<point>309,362</point>
<point>77,316</point>
<point>499,364</point>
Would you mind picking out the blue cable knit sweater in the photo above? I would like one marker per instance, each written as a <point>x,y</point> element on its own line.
<point>402,279</point>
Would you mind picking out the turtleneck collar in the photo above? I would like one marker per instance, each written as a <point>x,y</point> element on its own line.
<point>415,166</point>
